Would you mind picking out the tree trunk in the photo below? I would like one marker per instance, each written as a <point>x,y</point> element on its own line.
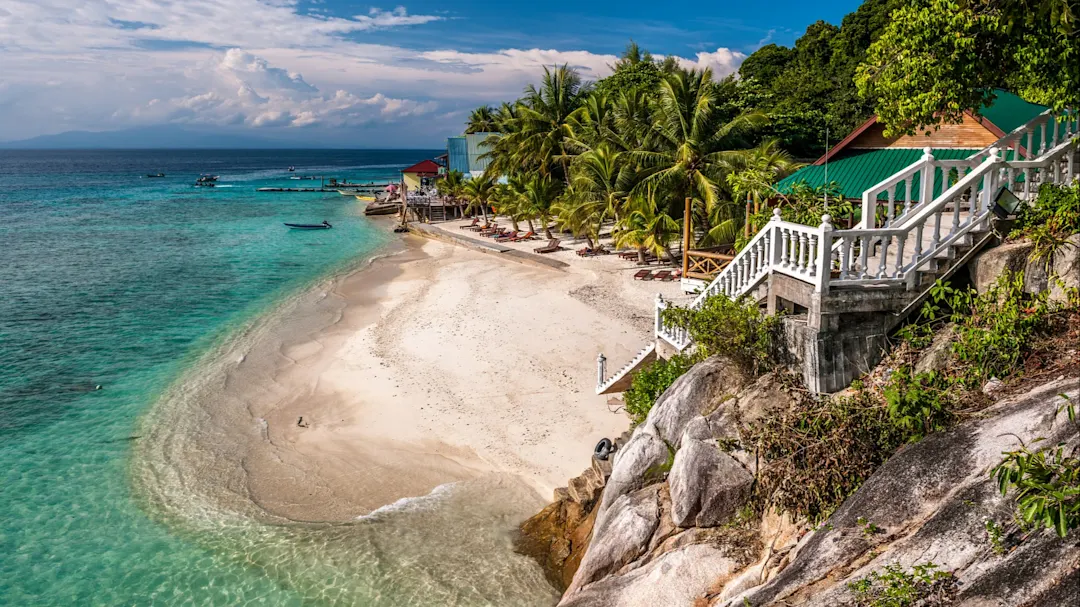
<point>483,209</point>
<point>547,228</point>
<point>641,255</point>
<point>531,227</point>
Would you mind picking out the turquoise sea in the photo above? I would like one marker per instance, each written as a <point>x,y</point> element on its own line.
<point>112,279</point>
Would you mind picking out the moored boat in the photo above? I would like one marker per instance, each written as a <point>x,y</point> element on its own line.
<point>325,225</point>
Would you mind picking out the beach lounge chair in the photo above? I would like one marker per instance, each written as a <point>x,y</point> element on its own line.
<point>551,247</point>
<point>664,275</point>
<point>491,229</point>
<point>643,275</point>
<point>475,221</point>
<point>525,236</point>
<point>504,237</point>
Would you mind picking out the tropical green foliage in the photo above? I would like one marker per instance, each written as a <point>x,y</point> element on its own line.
<point>938,58</point>
<point>1047,485</point>
<point>735,328</point>
<point>894,586</point>
<point>652,381</point>
<point>1051,221</point>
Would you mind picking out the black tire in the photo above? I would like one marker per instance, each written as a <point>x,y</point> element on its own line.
<point>603,449</point>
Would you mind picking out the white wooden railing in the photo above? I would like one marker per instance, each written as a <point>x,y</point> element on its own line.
<point>603,382</point>
<point>908,240</point>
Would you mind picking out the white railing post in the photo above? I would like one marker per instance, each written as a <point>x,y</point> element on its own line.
<point>926,174</point>
<point>775,239</point>
<point>824,254</point>
<point>601,370</point>
<point>659,310</point>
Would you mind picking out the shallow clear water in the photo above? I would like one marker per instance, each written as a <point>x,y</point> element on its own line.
<point>108,278</point>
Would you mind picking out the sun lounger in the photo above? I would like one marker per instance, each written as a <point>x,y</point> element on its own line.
<point>551,247</point>
<point>525,236</point>
<point>504,237</point>
<point>643,275</point>
<point>664,275</point>
<point>475,221</point>
<point>478,228</point>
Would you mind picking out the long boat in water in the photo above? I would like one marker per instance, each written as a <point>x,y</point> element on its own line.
<point>325,225</point>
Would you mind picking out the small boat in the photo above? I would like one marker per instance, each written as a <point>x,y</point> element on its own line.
<point>155,175</point>
<point>291,169</point>
<point>310,226</point>
<point>206,181</point>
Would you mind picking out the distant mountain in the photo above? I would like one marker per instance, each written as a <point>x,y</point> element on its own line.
<point>168,137</point>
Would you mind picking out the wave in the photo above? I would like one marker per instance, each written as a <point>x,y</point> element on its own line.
<point>412,504</point>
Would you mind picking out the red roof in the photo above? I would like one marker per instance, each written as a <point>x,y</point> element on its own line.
<point>425,166</point>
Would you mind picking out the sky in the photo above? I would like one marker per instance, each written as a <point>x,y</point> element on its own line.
<point>335,71</point>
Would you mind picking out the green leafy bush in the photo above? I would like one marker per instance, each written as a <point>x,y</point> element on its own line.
<point>895,587</point>
<point>1057,208</point>
<point>1047,487</point>
<point>919,404</point>
<point>735,328</point>
<point>651,382</point>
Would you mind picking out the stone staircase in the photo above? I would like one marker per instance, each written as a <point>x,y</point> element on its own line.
<point>863,281</point>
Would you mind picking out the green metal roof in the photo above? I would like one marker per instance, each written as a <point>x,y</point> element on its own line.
<point>856,171</point>
<point>1009,111</point>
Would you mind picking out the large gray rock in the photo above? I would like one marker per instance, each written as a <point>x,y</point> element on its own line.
<point>1062,272</point>
<point>675,579</point>
<point>931,501</point>
<point>697,392</point>
<point>1066,268</point>
<point>620,537</point>
<point>643,457</point>
<point>986,267</point>
<point>937,356</point>
<point>707,485</point>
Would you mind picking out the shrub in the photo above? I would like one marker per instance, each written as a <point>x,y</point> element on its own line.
<point>1047,487</point>
<point>735,328</point>
<point>919,404</point>
<point>1057,207</point>
<point>820,451</point>
<point>895,587</point>
<point>651,382</point>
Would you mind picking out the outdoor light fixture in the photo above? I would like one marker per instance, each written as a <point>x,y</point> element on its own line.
<point>1006,203</point>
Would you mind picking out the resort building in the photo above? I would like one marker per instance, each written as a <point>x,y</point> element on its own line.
<point>866,156</point>
<point>464,153</point>
<point>420,175</point>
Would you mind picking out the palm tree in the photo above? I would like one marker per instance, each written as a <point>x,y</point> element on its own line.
<point>479,191</point>
<point>647,228</point>
<point>694,149</point>
<point>449,187</point>
<point>538,197</point>
<point>481,120</point>
<point>603,175</point>
<point>753,176</point>
<point>543,124</point>
<point>582,216</point>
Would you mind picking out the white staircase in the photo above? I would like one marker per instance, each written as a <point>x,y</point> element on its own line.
<point>907,237</point>
<point>908,245</point>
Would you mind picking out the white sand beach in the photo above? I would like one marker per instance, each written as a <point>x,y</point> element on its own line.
<point>435,365</point>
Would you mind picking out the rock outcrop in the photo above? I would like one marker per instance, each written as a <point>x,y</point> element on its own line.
<point>558,535</point>
<point>673,530</point>
<point>1055,275</point>
<point>931,502</point>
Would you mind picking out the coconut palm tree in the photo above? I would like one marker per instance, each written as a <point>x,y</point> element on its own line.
<point>694,148</point>
<point>481,120</point>
<point>603,175</point>
<point>648,228</point>
<point>538,197</point>
<point>543,122</point>
<point>753,174</point>
<point>479,191</point>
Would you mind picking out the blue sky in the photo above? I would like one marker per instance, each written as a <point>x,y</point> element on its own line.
<point>337,71</point>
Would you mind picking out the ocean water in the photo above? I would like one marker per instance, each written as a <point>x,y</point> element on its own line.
<point>111,279</point>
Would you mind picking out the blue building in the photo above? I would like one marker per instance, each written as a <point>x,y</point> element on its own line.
<point>463,153</point>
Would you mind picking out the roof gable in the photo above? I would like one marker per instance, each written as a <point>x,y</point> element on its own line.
<point>424,166</point>
<point>1005,114</point>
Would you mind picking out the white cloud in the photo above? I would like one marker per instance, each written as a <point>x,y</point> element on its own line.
<point>101,64</point>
